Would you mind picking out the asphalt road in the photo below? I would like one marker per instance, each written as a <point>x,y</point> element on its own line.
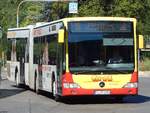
<point>18,100</point>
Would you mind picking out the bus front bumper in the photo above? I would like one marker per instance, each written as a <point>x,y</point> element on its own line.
<point>80,91</point>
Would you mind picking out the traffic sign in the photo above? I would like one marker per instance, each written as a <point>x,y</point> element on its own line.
<point>73,7</point>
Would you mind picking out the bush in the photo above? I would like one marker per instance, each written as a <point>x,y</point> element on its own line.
<point>145,64</point>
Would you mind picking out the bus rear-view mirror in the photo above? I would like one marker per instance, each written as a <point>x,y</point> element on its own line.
<point>61,36</point>
<point>141,41</point>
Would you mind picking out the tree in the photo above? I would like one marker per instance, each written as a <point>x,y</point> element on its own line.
<point>54,11</point>
<point>7,19</point>
<point>132,8</point>
<point>31,13</point>
<point>91,8</point>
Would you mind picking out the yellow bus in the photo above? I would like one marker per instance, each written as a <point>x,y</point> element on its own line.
<point>84,56</point>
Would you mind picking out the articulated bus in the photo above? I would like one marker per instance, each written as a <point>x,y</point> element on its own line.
<point>83,56</point>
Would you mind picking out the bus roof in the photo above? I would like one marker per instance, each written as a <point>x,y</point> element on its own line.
<point>53,27</point>
<point>46,28</point>
<point>22,32</point>
<point>87,19</point>
<point>100,18</point>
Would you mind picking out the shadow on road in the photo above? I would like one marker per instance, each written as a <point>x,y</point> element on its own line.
<point>137,99</point>
<point>9,92</point>
<point>106,100</point>
<point>100,99</point>
<point>7,89</point>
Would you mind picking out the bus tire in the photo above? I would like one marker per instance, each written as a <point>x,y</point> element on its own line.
<point>16,76</point>
<point>36,87</point>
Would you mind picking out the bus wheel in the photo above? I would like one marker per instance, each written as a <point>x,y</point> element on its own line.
<point>56,97</point>
<point>16,76</point>
<point>36,87</point>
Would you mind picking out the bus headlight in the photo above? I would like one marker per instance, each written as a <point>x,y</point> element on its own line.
<point>71,85</point>
<point>131,85</point>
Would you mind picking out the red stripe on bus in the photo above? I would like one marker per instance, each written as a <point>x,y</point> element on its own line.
<point>134,77</point>
<point>80,91</point>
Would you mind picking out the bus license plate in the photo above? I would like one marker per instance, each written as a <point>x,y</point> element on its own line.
<point>102,92</point>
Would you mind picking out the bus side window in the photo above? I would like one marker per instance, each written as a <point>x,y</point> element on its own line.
<point>52,49</point>
<point>45,58</point>
<point>37,50</point>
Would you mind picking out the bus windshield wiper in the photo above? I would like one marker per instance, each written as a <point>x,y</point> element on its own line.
<point>84,70</point>
<point>120,71</point>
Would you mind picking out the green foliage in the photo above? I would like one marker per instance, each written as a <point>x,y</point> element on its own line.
<point>31,13</point>
<point>91,8</point>
<point>145,64</point>
<point>7,19</point>
<point>54,11</point>
<point>129,8</point>
<point>133,8</point>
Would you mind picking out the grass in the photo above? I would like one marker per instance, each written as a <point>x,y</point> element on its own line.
<point>145,64</point>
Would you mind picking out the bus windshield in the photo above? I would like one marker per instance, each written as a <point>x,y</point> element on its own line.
<point>101,46</point>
